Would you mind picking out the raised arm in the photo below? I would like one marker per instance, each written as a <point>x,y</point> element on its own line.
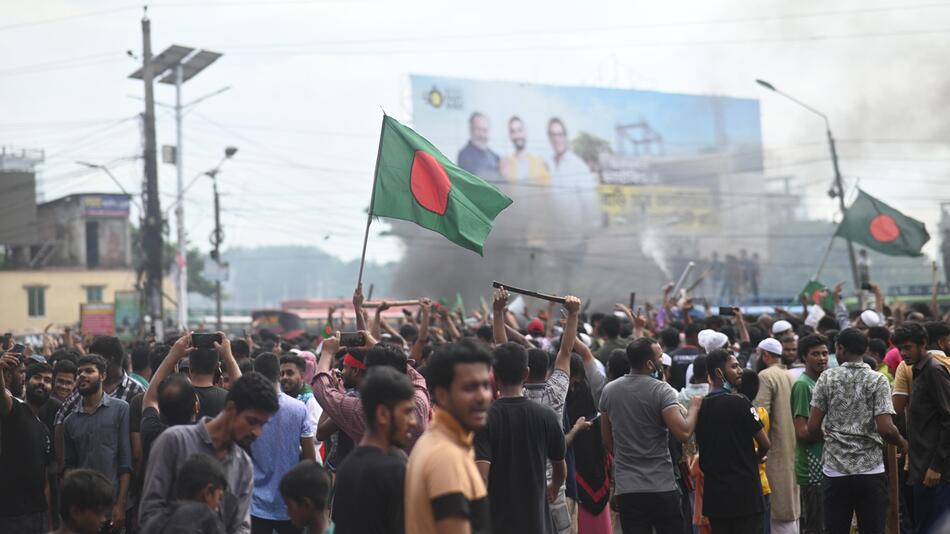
<point>563,361</point>
<point>358,307</point>
<point>741,326</point>
<point>499,309</point>
<point>227,358</point>
<point>178,351</point>
<point>415,352</point>
<point>448,324</point>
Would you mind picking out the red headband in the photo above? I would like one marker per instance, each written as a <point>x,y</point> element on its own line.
<point>351,360</point>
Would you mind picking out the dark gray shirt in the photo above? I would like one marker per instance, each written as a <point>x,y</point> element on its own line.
<point>635,404</point>
<point>172,448</point>
<point>99,440</point>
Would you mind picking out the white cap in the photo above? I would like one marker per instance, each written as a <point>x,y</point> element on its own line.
<point>781,326</point>
<point>771,345</point>
<point>666,360</point>
<point>585,339</point>
<point>870,318</point>
<point>711,340</point>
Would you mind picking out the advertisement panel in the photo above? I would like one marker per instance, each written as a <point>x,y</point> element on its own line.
<point>128,314</point>
<point>105,206</point>
<point>97,319</point>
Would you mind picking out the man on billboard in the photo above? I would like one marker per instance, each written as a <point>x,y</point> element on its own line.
<point>520,166</point>
<point>565,166</point>
<point>475,157</point>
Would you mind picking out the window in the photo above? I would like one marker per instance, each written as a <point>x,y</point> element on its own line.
<point>94,294</point>
<point>36,301</point>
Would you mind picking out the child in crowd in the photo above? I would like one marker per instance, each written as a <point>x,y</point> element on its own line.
<point>306,490</point>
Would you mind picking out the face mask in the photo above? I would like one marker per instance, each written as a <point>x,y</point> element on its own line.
<point>726,385</point>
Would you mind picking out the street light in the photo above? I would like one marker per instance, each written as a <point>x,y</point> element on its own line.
<point>114,179</point>
<point>837,190</point>
<point>176,65</point>
<point>217,236</point>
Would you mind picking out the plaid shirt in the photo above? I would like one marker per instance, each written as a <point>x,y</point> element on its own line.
<point>127,389</point>
<point>347,411</point>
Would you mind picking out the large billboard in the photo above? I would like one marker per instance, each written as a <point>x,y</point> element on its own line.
<point>595,170</point>
<point>639,152</point>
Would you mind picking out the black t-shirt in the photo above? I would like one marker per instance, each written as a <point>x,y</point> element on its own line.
<point>368,496</point>
<point>212,399</point>
<point>25,451</point>
<point>151,427</point>
<point>47,413</point>
<point>682,358</point>
<point>724,432</point>
<point>135,413</point>
<point>520,437</point>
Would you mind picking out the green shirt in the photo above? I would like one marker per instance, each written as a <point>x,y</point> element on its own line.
<point>807,456</point>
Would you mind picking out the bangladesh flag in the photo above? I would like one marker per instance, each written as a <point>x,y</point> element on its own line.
<point>880,227</point>
<point>415,182</point>
<point>816,293</point>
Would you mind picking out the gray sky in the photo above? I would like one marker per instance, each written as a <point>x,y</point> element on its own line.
<point>308,79</point>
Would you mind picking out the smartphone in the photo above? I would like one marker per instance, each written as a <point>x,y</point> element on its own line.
<point>633,299</point>
<point>352,339</point>
<point>727,311</point>
<point>18,348</point>
<point>205,341</point>
<point>592,419</point>
<point>866,286</point>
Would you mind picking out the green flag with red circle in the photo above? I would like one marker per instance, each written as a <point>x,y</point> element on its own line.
<point>880,227</point>
<point>415,182</point>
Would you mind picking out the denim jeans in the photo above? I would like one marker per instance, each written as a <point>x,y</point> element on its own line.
<point>930,505</point>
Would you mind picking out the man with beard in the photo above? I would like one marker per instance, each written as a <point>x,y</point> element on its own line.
<point>813,351</point>
<point>250,403</point>
<point>25,452</point>
<point>96,435</point>
<point>292,371</point>
<point>39,386</point>
<point>375,471</point>
<point>520,166</point>
<point>775,395</point>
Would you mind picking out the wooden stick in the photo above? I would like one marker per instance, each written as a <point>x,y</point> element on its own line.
<point>894,512</point>
<point>393,304</point>
<point>528,293</point>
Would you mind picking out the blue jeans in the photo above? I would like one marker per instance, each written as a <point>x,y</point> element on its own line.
<point>930,505</point>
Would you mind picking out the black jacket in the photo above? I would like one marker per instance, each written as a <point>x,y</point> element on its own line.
<point>928,423</point>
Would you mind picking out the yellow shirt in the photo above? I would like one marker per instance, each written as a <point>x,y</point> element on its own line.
<point>764,417</point>
<point>442,480</point>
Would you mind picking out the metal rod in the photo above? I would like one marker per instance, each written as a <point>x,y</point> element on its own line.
<point>372,199</point>
<point>394,303</point>
<point>528,292</point>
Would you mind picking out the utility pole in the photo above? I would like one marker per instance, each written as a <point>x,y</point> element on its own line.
<point>152,228</point>
<point>182,259</point>
<point>839,192</point>
<point>216,238</point>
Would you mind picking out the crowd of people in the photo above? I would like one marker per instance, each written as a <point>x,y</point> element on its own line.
<point>668,422</point>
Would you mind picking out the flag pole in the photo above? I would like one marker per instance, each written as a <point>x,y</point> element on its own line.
<point>372,199</point>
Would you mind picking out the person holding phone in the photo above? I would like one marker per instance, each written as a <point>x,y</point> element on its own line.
<point>25,453</point>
